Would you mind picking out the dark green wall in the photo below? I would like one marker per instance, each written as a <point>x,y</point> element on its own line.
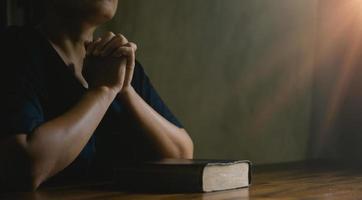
<point>236,72</point>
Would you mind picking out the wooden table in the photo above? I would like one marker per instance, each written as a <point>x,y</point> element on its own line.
<point>282,181</point>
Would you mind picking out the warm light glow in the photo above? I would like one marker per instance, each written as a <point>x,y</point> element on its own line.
<point>339,26</point>
<point>340,49</point>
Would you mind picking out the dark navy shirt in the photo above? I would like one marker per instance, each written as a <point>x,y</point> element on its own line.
<point>37,87</point>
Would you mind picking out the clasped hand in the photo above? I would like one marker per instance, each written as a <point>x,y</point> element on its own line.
<point>110,62</point>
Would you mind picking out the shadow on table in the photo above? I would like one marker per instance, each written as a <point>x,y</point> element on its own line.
<point>109,191</point>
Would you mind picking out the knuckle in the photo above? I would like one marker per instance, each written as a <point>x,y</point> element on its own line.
<point>134,46</point>
<point>121,35</point>
<point>98,40</point>
<point>106,37</point>
<point>123,38</point>
<point>109,34</point>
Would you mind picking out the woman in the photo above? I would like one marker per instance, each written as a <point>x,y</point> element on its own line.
<point>75,106</point>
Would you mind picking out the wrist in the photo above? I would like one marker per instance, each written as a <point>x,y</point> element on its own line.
<point>126,92</point>
<point>107,91</point>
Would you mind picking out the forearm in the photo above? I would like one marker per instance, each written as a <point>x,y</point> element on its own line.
<point>56,143</point>
<point>170,140</point>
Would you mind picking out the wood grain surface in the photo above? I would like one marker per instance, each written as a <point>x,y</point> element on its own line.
<point>282,181</point>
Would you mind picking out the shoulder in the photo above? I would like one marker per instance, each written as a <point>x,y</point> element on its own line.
<point>19,43</point>
<point>17,31</point>
<point>18,47</point>
<point>13,36</point>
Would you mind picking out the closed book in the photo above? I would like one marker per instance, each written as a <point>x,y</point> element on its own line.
<point>183,175</point>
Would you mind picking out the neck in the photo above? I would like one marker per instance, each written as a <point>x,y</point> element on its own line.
<point>68,37</point>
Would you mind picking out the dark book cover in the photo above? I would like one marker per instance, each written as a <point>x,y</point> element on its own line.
<point>182,175</point>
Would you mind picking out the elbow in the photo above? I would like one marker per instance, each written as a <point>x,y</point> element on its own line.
<point>24,176</point>
<point>30,184</point>
<point>181,151</point>
<point>188,147</point>
<point>37,173</point>
<point>32,176</point>
<point>34,182</point>
<point>35,185</point>
<point>185,147</point>
<point>20,168</point>
<point>29,172</point>
<point>187,150</point>
<point>38,168</point>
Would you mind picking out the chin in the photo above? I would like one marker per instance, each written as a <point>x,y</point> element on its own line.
<point>104,10</point>
<point>96,11</point>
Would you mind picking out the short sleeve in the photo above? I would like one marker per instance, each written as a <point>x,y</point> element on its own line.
<point>145,89</point>
<point>20,106</point>
<point>23,113</point>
